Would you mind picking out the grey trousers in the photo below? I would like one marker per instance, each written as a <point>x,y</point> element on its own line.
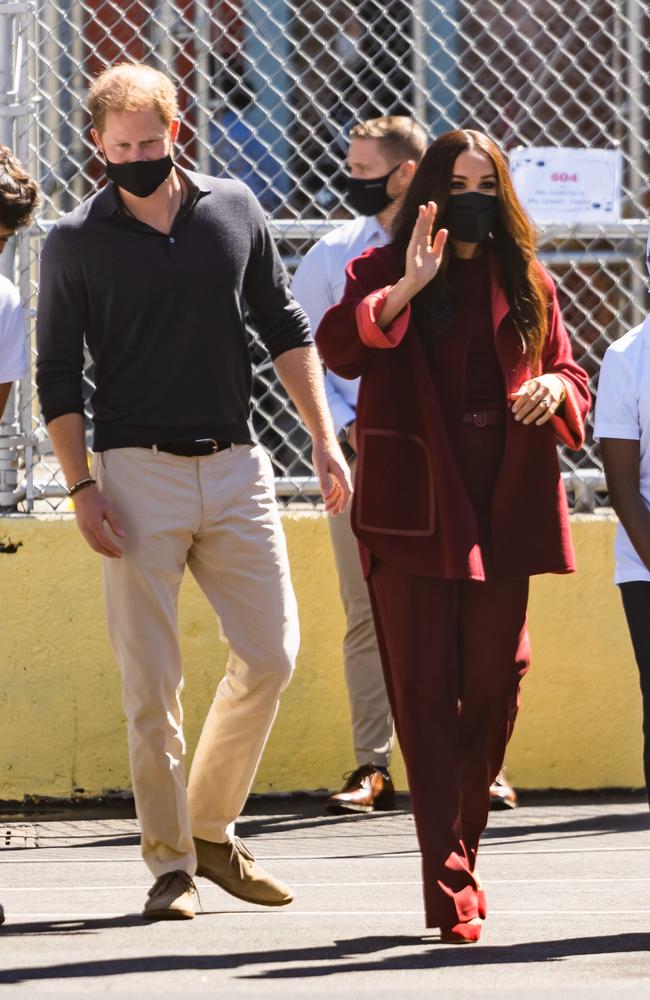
<point>372,722</point>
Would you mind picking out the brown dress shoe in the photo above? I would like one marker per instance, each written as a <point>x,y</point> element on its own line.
<point>502,794</point>
<point>170,897</point>
<point>365,790</point>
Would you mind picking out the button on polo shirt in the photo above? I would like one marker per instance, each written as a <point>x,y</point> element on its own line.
<point>163,315</point>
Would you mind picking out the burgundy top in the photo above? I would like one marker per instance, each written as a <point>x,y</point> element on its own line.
<point>466,349</point>
<point>470,280</point>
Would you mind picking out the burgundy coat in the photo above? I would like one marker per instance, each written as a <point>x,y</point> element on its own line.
<point>410,508</point>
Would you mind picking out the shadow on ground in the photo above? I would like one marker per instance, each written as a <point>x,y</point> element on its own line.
<point>340,957</point>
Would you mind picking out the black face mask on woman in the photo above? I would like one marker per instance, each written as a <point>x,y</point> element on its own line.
<point>369,196</point>
<point>471,217</point>
<point>142,177</point>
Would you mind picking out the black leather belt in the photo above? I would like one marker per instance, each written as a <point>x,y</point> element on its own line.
<point>483,418</point>
<point>190,449</point>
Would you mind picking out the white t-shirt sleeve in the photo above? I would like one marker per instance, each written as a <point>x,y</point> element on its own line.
<point>13,356</point>
<point>617,404</point>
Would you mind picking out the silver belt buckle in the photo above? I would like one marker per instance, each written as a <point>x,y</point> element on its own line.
<point>212,441</point>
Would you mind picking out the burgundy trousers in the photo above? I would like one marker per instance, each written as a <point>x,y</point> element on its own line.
<point>453,654</point>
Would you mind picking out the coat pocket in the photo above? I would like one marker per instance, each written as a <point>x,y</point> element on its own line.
<point>394,484</point>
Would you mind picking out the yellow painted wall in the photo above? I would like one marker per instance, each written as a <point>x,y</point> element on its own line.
<point>61,722</point>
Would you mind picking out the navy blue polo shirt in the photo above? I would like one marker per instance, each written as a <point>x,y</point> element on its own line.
<point>162,315</point>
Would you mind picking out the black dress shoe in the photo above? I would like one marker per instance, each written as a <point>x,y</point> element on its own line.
<point>502,795</point>
<point>365,790</point>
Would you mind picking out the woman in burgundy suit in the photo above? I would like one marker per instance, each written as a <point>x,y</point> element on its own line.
<point>467,381</point>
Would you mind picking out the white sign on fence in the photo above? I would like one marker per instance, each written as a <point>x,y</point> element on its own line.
<point>568,185</point>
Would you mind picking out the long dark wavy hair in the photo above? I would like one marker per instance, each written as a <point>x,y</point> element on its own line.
<point>513,240</point>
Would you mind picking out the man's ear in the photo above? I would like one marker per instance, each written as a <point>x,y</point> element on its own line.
<point>402,177</point>
<point>97,139</point>
<point>174,126</point>
<point>407,170</point>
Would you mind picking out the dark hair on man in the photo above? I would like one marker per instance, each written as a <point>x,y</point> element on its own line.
<point>18,192</point>
<point>400,138</point>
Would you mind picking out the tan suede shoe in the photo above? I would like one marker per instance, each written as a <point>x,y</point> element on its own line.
<point>170,897</point>
<point>232,867</point>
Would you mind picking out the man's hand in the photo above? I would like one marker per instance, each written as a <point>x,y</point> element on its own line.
<point>93,512</point>
<point>334,475</point>
<point>301,374</point>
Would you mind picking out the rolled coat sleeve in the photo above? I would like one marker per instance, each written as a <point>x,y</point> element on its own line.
<point>349,334</point>
<point>557,359</point>
<point>60,326</point>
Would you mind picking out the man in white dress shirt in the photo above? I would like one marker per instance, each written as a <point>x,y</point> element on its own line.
<point>382,158</point>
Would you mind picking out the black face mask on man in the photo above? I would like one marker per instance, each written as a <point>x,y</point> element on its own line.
<point>471,217</point>
<point>142,177</point>
<point>369,196</point>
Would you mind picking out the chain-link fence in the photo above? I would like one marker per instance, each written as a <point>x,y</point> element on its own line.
<point>269,90</point>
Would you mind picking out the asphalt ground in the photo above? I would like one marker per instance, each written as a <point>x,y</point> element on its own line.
<point>568,883</point>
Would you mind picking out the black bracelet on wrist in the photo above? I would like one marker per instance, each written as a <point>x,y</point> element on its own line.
<point>80,485</point>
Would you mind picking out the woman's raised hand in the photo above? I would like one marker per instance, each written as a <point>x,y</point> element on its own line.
<point>422,256</point>
<point>422,262</point>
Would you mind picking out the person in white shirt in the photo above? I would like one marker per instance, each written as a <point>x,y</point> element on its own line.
<point>13,356</point>
<point>18,199</point>
<point>623,428</point>
<point>382,158</point>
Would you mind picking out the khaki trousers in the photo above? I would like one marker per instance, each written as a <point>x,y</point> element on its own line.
<point>372,722</point>
<point>217,515</point>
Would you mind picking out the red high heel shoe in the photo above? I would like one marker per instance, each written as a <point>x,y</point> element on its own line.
<point>481,903</point>
<point>467,933</point>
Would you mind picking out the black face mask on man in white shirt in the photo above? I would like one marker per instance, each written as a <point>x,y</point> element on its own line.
<point>369,196</point>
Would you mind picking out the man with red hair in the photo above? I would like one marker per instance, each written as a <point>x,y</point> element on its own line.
<point>155,272</point>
